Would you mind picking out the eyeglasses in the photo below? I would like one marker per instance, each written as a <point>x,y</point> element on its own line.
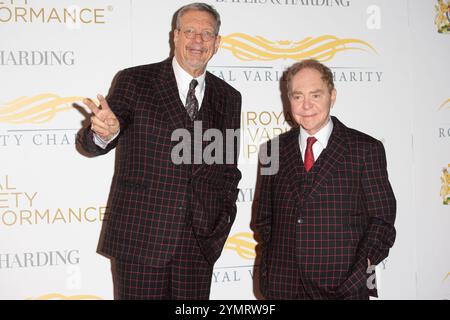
<point>205,35</point>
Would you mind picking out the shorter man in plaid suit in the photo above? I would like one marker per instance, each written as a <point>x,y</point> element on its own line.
<point>326,217</point>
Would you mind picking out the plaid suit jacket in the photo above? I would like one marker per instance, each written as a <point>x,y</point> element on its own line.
<point>152,200</point>
<point>315,244</point>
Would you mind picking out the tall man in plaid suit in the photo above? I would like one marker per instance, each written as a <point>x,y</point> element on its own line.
<point>326,217</point>
<point>169,220</point>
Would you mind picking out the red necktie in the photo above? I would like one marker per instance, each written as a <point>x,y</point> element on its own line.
<point>309,155</point>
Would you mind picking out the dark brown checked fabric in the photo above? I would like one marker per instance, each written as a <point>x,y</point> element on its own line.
<point>318,228</point>
<point>154,202</point>
<point>186,277</point>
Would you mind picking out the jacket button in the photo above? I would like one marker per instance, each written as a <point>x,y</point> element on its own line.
<point>300,220</point>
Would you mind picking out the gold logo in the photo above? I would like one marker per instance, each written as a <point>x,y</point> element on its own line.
<point>322,48</point>
<point>445,105</point>
<point>243,243</point>
<point>445,189</point>
<point>447,276</point>
<point>37,109</point>
<point>442,20</point>
<point>58,296</point>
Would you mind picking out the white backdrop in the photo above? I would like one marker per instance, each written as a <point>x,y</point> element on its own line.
<point>391,72</point>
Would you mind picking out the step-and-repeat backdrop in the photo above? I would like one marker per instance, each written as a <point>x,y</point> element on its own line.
<point>391,69</point>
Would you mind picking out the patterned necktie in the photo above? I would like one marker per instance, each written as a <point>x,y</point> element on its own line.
<point>191,100</point>
<point>309,155</point>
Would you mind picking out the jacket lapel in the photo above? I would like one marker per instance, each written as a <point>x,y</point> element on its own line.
<point>209,98</point>
<point>331,157</point>
<point>210,113</point>
<point>293,159</point>
<point>172,107</point>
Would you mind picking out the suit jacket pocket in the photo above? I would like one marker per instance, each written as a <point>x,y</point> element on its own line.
<point>130,185</point>
<point>207,207</point>
<point>355,285</point>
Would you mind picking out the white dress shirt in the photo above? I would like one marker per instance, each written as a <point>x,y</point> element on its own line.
<point>184,79</point>
<point>322,136</point>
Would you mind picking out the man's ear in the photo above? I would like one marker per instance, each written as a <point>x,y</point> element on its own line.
<point>333,97</point>
<point>176,34</point>
<point>217,44</point>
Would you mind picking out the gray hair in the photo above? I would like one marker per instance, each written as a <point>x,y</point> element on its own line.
<point>199,6</point>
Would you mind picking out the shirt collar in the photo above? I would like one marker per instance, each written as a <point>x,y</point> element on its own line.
<point>322,136</point>
<point>184,79</point>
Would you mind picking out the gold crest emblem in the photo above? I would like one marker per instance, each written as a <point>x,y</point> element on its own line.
<point>445,105</point>
<point>244,245</point>
<point>442,20</point>
<point>37,109</point>
<point>323,48</point>
<point>445,189</point>
<point>59,296</point>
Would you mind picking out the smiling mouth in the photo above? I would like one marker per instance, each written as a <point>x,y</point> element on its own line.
<point>195,51</point>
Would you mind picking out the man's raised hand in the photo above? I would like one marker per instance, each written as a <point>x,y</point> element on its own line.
<point>103,121</point>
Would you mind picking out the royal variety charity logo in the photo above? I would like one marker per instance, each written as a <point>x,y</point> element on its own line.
<point>28,120</point>
<point>445,188</point>
<point>323,48</point>
<point>243,243</point>
<point>442,20</point>
<point>266,60</point>
<point>59,296</point>
<point>37,109</point>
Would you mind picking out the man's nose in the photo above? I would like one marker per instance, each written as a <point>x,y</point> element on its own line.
<point>306,103</point>
<point>198,37</point>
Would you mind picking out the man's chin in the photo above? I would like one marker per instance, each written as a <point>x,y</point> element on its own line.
<point>197,66</point>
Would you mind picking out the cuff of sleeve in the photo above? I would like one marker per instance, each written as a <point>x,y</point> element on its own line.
<point>376,255</point>
<point>101,142</point>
